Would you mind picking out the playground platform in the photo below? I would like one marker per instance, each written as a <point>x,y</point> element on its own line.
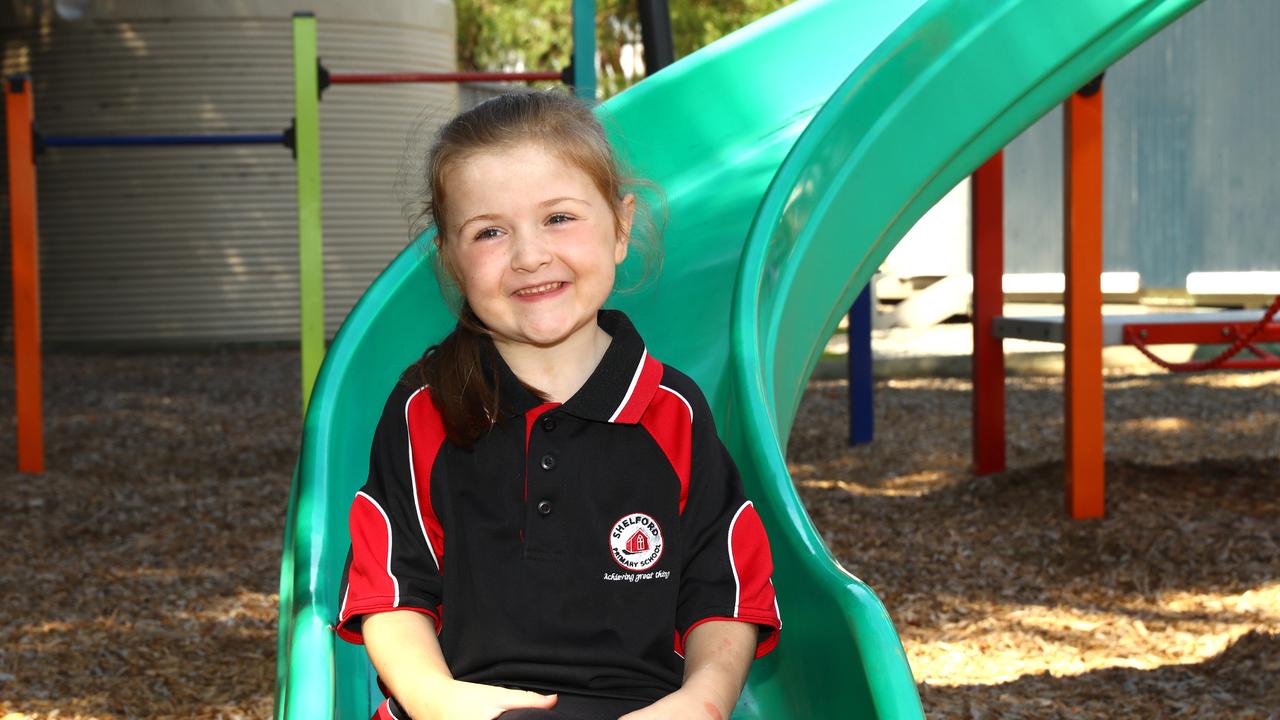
<point>945,350</point>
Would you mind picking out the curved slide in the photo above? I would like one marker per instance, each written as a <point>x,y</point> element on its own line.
<point>793,154</point>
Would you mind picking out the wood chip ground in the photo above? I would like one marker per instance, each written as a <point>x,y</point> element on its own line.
<point>140,572</point>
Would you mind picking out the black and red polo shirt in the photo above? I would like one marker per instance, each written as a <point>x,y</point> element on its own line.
<point>574,547</point>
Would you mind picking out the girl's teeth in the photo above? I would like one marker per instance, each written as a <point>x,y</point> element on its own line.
<point>540,289</point>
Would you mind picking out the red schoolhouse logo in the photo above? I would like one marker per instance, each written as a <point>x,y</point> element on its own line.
<point>636,542</point>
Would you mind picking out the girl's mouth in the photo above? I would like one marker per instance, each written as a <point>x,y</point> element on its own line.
<point>540,289</point>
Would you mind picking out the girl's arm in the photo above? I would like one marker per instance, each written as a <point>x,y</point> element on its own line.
<point>404,650</point>
<point>718,655</point>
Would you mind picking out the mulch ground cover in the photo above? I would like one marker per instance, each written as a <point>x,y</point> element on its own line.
<point>140,573</point>
<point>141,570</point>
<point>1169,607</point>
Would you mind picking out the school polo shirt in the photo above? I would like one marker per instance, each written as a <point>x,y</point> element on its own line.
<point>574,547</point>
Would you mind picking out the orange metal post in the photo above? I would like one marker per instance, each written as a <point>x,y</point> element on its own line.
<point>1082,260</point>
<point>987,193</point>
<point>19,112</point>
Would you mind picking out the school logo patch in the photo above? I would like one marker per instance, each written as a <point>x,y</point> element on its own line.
<point>636,542</point>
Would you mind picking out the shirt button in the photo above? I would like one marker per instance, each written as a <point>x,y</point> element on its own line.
<point>544,508</point>
<point>548,462</point>
<point>548,424</point>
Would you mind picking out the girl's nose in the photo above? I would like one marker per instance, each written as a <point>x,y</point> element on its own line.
<point>529,252</point>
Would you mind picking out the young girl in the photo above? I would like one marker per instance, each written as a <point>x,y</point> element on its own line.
<point>551,527</point>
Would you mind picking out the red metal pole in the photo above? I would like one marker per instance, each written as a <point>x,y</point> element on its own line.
<point>987,201</point>
<point>443,77</point>
<point>24,237</point>
<point>1082,330</point>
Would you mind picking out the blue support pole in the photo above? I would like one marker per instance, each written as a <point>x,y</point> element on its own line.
<point>584,49</point>
<point>861,412</point>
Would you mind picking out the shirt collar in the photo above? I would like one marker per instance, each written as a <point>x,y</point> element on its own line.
<point>617,391</point>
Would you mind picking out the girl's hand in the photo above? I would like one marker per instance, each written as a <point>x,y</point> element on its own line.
<point>406,653</point>
<point>457,700</point>
<point>679,705</point>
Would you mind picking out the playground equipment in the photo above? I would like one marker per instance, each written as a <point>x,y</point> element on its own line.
<point>862,420</point>
<point>1082,329</point>
<point>24,235</point>
<point>825,143</point>
<point>25,143</point>
<point>311,79</point>
<point>1199,329</point>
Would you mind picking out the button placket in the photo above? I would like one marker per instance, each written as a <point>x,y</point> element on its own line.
<point>543,534</point>
<point>547,463</point>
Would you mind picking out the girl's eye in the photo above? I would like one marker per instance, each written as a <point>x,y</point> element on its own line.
<point>487,233</point>
<point>559,219</point>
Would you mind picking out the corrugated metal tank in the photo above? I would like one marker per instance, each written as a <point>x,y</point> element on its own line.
<point>174,245</point>
<point>1191,155</point>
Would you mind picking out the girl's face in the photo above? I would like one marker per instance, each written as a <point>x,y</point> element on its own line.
<point>534,244</point>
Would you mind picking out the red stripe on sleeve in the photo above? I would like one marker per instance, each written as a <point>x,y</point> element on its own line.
<point>370,582</point>
<point>426,436</point>
<point>752,566</point>
<point>669,421</point>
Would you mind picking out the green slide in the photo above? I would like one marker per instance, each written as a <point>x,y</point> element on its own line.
<point>793,154</point>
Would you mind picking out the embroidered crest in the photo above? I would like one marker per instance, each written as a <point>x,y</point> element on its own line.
<point>636,542</point>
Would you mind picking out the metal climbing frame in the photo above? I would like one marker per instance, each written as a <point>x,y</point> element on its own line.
<point>310,80</point>
<point>25,144</point>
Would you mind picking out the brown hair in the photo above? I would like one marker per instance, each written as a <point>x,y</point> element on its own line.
<point>462,372</point>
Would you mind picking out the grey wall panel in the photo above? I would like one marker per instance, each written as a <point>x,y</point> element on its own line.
<point>1191,155</point>
<point>1033,198</point>
<point>199,244</point>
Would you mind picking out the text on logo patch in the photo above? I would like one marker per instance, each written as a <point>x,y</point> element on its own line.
<point>636,542</point>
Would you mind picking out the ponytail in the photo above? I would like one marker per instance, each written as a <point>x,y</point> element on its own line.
<point>461,373</point>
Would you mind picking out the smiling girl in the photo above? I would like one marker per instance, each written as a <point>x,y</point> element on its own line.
<point>551,527</point>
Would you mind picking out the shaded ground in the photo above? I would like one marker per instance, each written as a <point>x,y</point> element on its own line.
<point>139,574</point>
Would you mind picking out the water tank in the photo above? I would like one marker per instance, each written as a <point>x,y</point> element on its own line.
<point>193,245</point>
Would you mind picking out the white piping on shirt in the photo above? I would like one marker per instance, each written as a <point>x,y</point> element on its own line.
<point>635,379</point>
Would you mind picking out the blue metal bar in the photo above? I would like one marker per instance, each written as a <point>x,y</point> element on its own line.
<point>114,140</point>
<point>861,412</point>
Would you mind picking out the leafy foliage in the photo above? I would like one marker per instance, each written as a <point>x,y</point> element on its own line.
<point>538,34</point>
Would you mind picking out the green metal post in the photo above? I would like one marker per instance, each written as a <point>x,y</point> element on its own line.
<point>584,49</point>
<point>306,112</point>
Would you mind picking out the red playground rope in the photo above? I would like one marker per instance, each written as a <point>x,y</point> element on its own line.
<point>1242,342</point>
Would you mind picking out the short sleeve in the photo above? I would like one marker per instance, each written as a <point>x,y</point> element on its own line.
<point>393,563</point>
<point>727,564</point>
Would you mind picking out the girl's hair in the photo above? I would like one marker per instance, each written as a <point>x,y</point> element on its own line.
<point>461,372</point>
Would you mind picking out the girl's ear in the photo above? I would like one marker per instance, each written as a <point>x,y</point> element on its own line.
<point>626,216</point>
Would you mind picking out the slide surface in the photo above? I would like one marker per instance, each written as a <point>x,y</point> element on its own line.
<point>793,155</point>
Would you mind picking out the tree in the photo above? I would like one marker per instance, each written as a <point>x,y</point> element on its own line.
<point>538,34</point>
